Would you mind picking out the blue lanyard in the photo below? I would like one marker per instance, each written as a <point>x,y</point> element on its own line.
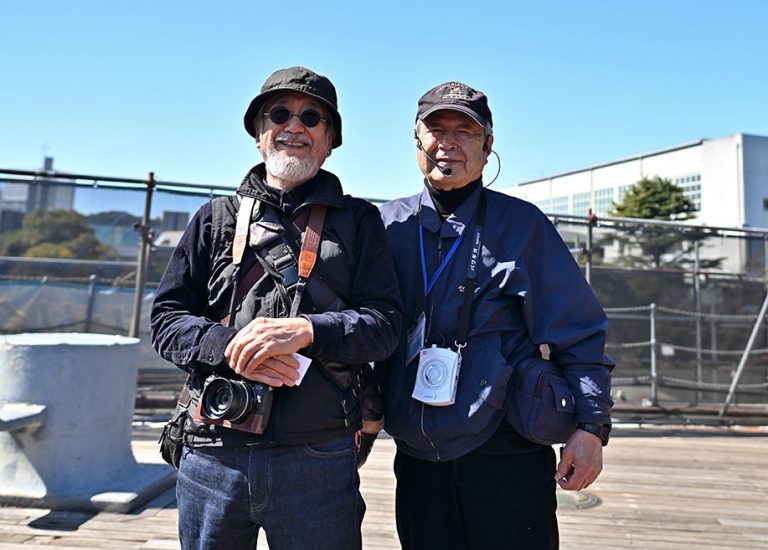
<point>428,285</point>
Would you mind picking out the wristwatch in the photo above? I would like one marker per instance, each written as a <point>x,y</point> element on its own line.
<point>603,431</point>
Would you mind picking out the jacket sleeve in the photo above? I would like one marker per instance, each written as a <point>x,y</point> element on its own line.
<point>562,311</point>
<point>370,328</point>
<point>180,331</point>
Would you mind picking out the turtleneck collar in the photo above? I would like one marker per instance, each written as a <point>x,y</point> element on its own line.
<point>446,202</point>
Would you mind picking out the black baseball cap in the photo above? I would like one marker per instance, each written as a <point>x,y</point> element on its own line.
<point>303,81</point>
<point>457,96</point>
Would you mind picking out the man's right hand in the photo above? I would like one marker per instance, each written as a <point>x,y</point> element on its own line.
<point>282,370</point>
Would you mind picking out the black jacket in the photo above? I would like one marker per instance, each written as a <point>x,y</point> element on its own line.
<point>354,261</point>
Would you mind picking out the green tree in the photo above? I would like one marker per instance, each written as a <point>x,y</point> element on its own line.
<point>658,199</point>
<point>655,199</point>
<point>54,234</point>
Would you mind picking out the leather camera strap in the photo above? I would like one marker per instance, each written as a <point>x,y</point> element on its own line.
<point>307,257</point>
<point>309,247</point>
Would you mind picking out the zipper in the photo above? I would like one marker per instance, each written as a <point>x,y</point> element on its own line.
<point>424,433</point>
<point>539,383</point>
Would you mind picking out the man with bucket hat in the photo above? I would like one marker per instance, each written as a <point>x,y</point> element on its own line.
<point>485,281</point>
<point>274,301</point>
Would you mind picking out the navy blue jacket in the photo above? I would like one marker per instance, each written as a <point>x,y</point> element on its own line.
<point>529,292</point>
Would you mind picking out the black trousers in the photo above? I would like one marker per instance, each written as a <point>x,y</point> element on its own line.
<point>478,502</point>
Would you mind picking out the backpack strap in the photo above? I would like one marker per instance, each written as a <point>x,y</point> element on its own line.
<point>244,213</point>
<point>307,258</point>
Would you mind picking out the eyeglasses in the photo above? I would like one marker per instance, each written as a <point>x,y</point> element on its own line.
<point>308,117</point>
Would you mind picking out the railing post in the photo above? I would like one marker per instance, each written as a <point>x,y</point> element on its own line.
<point>589,254</point>
<point>697,303</point>
<point>91,299</point>
<point>745,355</point>
<point>592,221</point>
<point>654,372</point>
<point>145,241</point>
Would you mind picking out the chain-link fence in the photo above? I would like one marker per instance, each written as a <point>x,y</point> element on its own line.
<point>84,253</point>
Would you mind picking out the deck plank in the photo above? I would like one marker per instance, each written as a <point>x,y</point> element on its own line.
<point>666,492</point>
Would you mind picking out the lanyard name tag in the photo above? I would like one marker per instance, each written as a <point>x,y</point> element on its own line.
<point>415,339</point>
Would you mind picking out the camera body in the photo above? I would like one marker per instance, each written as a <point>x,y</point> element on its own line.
<point>437,376</point>
<point>235,403</point>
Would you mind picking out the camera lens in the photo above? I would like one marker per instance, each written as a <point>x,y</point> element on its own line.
<point>224,399</point>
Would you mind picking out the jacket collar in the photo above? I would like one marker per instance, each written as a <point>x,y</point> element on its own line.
<point>456,223</point>
<point>324,188</point>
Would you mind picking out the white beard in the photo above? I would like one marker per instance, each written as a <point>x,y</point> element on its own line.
<point>287,168</point>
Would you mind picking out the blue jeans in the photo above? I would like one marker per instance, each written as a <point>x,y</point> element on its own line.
<point>304,496</point>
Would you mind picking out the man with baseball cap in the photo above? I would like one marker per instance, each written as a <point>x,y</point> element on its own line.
<point>485,281</point>
<point>274,301</point>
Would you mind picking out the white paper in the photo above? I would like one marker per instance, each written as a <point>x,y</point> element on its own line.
<point>303,366</point>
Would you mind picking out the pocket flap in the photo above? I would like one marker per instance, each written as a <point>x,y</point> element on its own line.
<point>563,396</point>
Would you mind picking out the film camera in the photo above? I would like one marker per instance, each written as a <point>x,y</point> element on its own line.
<point>238,404</point>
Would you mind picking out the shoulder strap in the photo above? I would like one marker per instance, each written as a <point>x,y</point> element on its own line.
<point>309,247</point>
<point>307,257</point>
<point>239,244</point>
<point>244,213</point>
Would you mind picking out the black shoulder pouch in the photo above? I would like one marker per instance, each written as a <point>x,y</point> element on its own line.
<point>172,439</point>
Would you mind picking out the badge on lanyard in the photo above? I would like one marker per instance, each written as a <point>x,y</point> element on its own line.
<point>415,338</point>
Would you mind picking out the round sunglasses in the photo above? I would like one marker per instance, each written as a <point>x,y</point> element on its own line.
<point>308,117</point>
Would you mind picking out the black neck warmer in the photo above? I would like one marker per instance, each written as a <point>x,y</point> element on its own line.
<point>287,201</point>
<point>446,202</point>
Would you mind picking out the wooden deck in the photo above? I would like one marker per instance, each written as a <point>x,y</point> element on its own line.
<point>659,490</point>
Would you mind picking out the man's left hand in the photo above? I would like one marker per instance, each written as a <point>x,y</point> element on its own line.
<point>581,461</point>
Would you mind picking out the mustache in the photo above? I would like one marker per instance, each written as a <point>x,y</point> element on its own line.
<point>293,137</point>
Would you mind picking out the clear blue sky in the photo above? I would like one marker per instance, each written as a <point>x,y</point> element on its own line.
<point>124,88</point>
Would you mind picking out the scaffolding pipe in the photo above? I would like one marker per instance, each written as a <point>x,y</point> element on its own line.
<point>697,304</point>
<point>145,241</point>
<point>745,355</point>
<point>654,373</point>
<point>590,247</point>
<point>91,298</point>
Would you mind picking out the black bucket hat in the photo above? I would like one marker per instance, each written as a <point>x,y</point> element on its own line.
<point>457,96</point>
<point>303,81</point>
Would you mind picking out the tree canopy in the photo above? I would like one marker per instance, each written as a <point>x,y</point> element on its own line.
<point>655,198</point>
<point>54,234</point>
<point>659,199</point>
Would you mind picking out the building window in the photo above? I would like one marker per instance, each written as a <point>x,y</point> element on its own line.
<point>603,201</point>
<point>623,190</point>
<point>543,205</point>
<point>691,189</point>
<point>560,205</point>
<point>581,203</point>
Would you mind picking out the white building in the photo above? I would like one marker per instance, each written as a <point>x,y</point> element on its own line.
<point>726,178</point>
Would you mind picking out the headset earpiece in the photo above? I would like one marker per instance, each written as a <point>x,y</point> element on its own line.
<point>485,143</point>
<point>418,141</point>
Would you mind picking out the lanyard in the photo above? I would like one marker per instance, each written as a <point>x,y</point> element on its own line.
<point>428,285</point>
<point>469,285</point>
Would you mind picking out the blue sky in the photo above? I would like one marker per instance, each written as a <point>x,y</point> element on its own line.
<point>123,88</point>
